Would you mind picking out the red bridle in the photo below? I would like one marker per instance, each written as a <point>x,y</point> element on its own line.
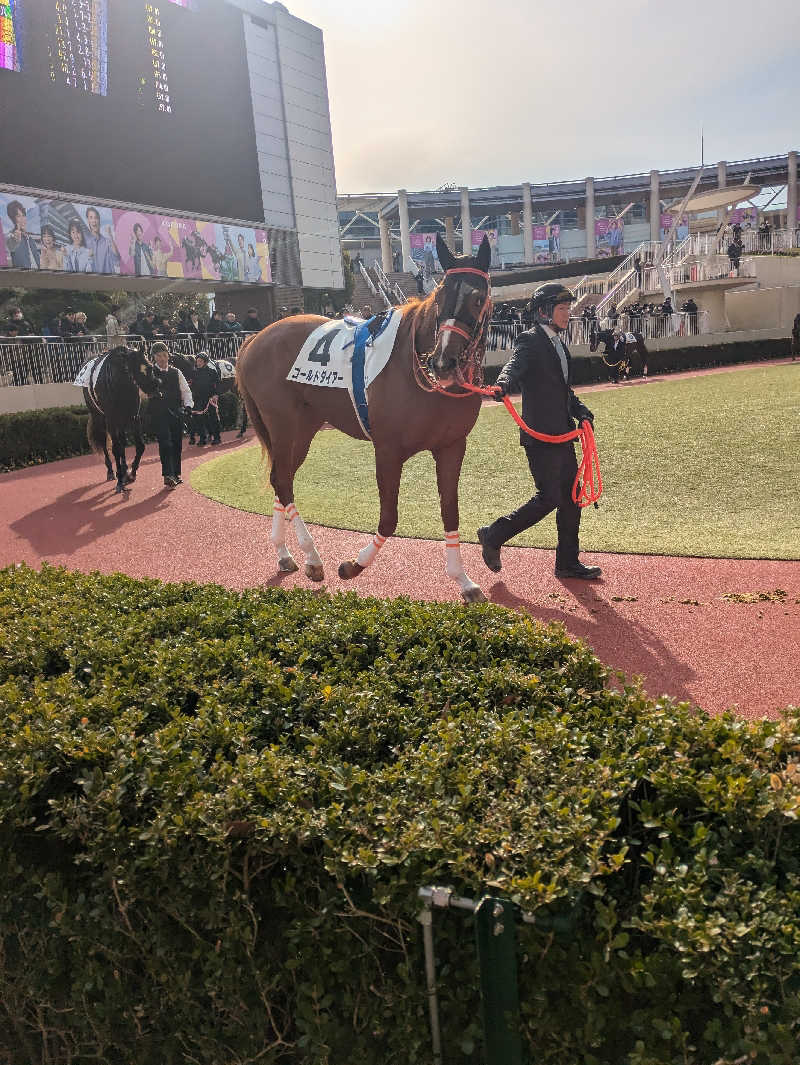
<point>473,351</point>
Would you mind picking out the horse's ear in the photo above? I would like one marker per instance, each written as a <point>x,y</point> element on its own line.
<point>484,256</point>
<point>446,257</point>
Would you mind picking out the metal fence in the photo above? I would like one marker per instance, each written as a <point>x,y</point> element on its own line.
<point>46,360</point>
<point>650,326</point>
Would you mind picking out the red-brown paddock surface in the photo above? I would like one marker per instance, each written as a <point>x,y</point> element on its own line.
<point>664,619</point>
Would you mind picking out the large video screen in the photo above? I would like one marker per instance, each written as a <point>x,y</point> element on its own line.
<point>144,101</point>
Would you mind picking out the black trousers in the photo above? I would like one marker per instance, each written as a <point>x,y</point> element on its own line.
<point>206,425</point>
<point>169,430</point>
<point>553,468</point>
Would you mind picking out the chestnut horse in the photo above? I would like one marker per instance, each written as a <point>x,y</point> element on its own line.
<point>415,404</point>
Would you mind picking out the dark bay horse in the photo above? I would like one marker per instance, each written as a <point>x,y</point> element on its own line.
<point>619,351</point>
<point>415,404</point>
<point>113,402</point>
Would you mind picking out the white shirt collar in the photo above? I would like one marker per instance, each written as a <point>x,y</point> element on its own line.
<point>551,332</point>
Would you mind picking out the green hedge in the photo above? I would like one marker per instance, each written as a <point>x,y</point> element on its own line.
<point>216,810</point>
<point>30,438</point>
<point>590,369</point>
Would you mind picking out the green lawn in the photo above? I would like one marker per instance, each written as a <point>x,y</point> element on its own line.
<point>704,466</point>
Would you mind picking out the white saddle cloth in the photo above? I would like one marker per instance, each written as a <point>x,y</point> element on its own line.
<point>87,375</point>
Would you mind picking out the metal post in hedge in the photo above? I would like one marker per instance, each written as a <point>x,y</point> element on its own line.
<point>496,939</point>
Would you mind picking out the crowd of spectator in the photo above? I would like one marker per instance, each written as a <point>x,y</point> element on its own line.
<point>71,325</point>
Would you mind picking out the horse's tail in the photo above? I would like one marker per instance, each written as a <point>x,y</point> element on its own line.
<point>96,431</point>
<point>253,413</point>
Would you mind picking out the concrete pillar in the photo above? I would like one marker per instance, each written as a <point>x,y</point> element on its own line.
<point>722,181</point>
<point>591,248</point>
<point>405,229</point>
<point>527,222</point>
<point>450,232</point>
<point>466,223</point>
<point>386,244</point>
<point>655,206</point>
<point>791,192</point>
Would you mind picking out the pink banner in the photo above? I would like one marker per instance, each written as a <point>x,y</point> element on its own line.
<point>55,235</point>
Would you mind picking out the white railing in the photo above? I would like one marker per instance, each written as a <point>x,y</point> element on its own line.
<point>369,282</point>
<point>391,290</point>
<point>655,326</point>
<point>754,242</point>
<point>45,360</point>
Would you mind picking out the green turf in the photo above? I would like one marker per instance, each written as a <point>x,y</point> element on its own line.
<point>702,466</point>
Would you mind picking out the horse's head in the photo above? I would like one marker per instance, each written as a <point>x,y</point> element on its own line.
<point>463,309</point>
<point>138,366</point>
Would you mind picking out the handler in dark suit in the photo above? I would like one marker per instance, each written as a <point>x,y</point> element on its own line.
<point>165,411</point>
<point>540,367</point>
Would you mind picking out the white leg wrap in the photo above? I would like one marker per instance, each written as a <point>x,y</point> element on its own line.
<point>304,539</point>
<point>278,535</point>
<point>455,567</point>
<point>366,556</point>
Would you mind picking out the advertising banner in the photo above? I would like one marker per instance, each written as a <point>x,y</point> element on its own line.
<point>681,232</point>
<point>747,217</point>
<point>546,243</point>
<point>61,235</point>
<point>609,236</point>
<point>423,252</point>
<point>492,235</point>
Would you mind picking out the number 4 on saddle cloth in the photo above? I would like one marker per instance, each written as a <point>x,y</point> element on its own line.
<point>348,353</point>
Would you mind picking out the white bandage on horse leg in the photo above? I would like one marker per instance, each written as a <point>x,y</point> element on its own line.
<point>304,539</point>
<point>366,556</point>
<point>278,535</point>
<point>455,567</point>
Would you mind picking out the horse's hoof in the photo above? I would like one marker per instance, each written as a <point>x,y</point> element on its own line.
<point>110,476</point>
<point>348,570</point>
<point>287,565</point>
<point>129,478</point>
<point>314,572</point>
<point>473,595</point>
<point>122,490</point>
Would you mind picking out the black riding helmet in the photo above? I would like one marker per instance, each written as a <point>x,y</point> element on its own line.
<point>546,297</point>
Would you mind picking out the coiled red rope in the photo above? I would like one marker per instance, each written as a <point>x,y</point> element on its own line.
<point>588,486</point>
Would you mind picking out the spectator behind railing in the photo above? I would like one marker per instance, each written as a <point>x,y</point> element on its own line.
<point>216,325</point>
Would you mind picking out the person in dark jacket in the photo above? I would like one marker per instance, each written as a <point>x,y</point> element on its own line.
<point>166,405</point>
<point>541,368</point>
<point>796,337</point>
<point>189,324</point>
<point>145,326</point>
<point>205,386</point>
<point>252,323</point>
<point>215,324</point>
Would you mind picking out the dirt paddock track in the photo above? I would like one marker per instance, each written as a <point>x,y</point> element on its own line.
<point>664,619</point>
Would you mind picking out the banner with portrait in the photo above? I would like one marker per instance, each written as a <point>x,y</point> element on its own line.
<point>746,217</point>
<point>492,236</point>
<point>423,252</point>
<point>546,243</point>
<point>681,231</point>
<point>609,237</point>
<point>63,235</point>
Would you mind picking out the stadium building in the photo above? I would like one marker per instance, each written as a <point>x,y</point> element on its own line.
<point>204,123</point>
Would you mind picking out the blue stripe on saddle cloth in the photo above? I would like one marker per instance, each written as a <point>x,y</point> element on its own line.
<point>363,336</point>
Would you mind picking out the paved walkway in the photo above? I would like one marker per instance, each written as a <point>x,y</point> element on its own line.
<point>662,618</point>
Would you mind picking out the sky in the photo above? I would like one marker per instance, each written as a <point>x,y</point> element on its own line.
<point>490,92</point>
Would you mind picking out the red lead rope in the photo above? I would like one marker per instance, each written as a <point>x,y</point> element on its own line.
<point>588,486</point>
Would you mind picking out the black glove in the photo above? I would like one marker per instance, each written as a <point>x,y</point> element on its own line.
<point>500,391</point>
<point>585,415</point>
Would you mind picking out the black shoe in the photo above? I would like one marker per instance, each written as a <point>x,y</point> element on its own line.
<point>216,440</point>
<point>580,572</point>
<point>191,441</point>
<point>491,555</point>
<point>241,432</point>
<point>170,482</point>
<point>178,479</point>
